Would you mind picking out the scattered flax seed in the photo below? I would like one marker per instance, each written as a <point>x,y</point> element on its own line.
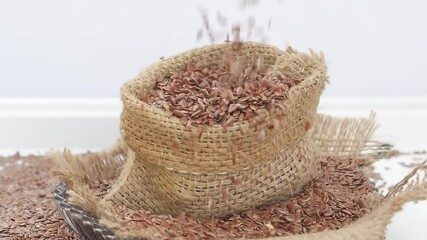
<point>201,130</point>
<point>194,156</point>
<point>27,207</point>
<point>210,203</point>
<point>234,158</point>
<point>176,144</point>
<point>222,151</point>
<point>145,98</point>
<point>242,130</point>
<point>224,193</point>
<point>261,135</point>
<point>307,126</point>
<point>274,142</point>
<point>245,157</point>
<point>235,181</point>
<point>276,124</point>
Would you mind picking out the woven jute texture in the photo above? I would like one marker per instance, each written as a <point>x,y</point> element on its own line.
<point>337,138</point>
<point>192,178</point>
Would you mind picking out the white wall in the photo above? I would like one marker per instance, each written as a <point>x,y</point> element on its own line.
<point>89,48</point>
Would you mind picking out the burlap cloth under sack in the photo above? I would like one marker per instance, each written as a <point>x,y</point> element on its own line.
<point>191,179</point>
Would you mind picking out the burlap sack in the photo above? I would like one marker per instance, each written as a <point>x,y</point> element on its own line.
<point>194,178</point>
<point>336,138</point>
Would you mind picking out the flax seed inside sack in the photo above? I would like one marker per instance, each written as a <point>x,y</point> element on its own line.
<point>208,95</point>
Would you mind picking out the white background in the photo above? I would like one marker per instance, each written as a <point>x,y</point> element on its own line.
<point>51,48</point>
<point>86,49</point>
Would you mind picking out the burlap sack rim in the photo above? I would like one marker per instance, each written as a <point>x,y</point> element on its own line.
<point>370,226</point>
<point>132,101</point>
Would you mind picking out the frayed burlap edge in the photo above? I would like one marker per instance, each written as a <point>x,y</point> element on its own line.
<point>82,169</point>
<point>333,135</point>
